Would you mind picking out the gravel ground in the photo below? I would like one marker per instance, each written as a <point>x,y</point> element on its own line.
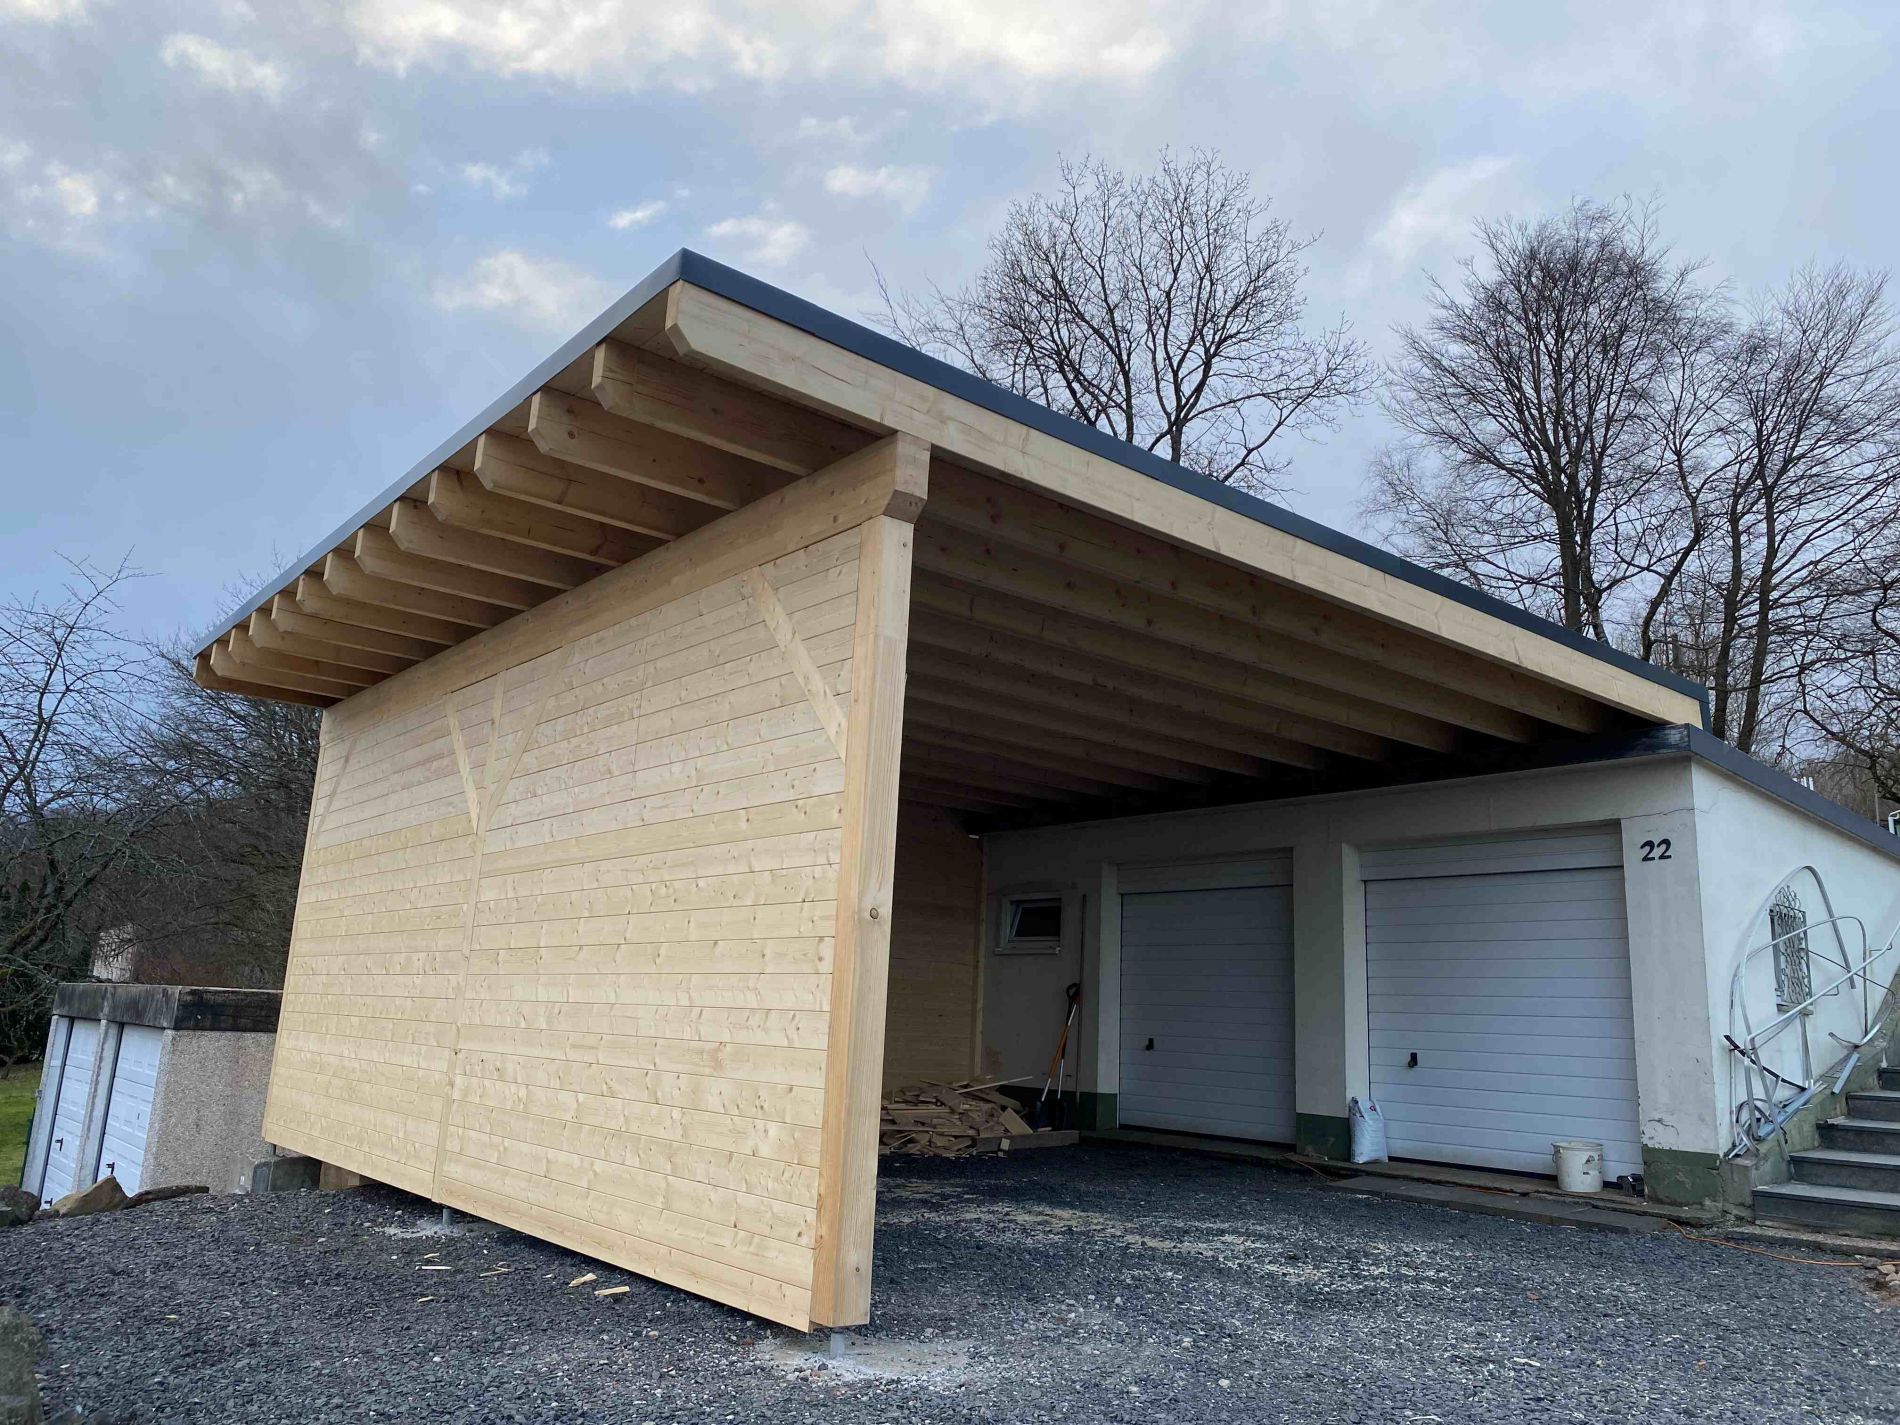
<point>1094,1284</point>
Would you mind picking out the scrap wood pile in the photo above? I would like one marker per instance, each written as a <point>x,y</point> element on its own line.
<point>953,1120</point>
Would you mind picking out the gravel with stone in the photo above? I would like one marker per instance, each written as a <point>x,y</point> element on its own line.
<point>1086,1284</point>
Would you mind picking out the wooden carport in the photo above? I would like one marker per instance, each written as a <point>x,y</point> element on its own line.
<point>624,687</point>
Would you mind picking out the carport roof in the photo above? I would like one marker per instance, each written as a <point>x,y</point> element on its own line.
<point>759,297</point>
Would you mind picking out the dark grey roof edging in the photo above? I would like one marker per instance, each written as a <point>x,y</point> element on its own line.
<point>780,305</point>
<point>1780,785</point>
<point>189,1007</point>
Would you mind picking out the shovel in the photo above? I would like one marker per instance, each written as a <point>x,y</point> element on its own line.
<point>1046,1109</point>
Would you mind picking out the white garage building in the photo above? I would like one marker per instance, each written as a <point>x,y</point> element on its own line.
<point>1500,961</point>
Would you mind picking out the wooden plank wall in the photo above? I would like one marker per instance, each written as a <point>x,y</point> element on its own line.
<point>564,944</point>
<point>930,1026</point>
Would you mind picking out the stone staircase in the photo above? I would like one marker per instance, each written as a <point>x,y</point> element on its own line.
<point>1850,1182</point>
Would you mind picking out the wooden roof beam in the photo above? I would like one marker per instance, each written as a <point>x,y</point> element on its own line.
<point>207,676</point>
<point>952,689</point>
<point>1137,560</point>
<point>1033,658</point>
<point>380,555</point>
<point>1144,654</point>
<point>519,469</point>
<point>930,759</point>
<point>463,502</point>
<point>417,530</point>
<point>577,430</point>
<point>288,613</point>
<point>1031,735</point>
<point>1069,699</point>
<point>959,554</point>
<point>961,796</point>
<point>988,752</point>
<point>315,597</point>
<point>235,657</point>
<point>717,333</point>
<point>687,401</point>
<point>267,634</point>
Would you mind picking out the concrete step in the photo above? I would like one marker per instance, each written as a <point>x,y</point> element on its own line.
<point>1883,1104</point>
<point>1861,1135</point>
<point>1838,1209</point>
<point>1890,1078</point>
<point>1838,1167</point>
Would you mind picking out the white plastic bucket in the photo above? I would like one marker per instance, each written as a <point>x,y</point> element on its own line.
<point>1579,1165</point>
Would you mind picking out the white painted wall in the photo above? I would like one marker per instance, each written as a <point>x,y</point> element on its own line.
<point>1747,843</point>
<point>1324,834</point>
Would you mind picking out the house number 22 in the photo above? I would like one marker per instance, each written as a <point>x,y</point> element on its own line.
<point>1657,850</point>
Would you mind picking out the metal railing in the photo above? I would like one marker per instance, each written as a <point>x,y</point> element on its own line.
<point>1770,1098</point>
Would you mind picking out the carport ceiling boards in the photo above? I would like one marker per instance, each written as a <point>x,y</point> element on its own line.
<point>1089,628</point>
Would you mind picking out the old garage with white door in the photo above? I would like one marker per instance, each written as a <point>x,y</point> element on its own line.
<point>1498,999</point>
<point>1207,1000</point>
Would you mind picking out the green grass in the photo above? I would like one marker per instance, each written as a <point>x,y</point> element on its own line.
<point>16,1110</point>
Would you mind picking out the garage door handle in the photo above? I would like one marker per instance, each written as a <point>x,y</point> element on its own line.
<point>1151,1042</point>
<point>1412,1062</point>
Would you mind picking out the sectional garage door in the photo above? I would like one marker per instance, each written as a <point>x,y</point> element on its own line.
<point>1207,1011</point>
<point>129,1109</point>
<point>69,1111</point>
<point>1498,996</point>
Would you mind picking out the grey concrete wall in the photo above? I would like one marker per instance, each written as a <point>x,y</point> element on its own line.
<point>208,1114</point>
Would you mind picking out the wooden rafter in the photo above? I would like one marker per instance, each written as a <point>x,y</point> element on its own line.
<point>720,413</point>
<point>1144,654</point>
<point>464,503</point>
<point>314,598</point>
<point>1029,732</point>
<point>346,575</point>
<point>1015,656</point>
<point>960,554</point>
<point>1138,562</point>
<point>577,430</point>
<point>516,467</point>
<point>379,554</point>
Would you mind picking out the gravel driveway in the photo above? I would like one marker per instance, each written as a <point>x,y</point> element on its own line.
<point>1093,1284</point>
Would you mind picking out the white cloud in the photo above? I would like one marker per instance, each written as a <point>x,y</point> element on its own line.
<point>765,238</point>
<point>505,181</point>
<point>537,293</point>
<point>843,129</point>
<point>46,11</point>
<point>1436,213</point>
<point>906,187</point>
<point>637,216</point>
<point>1001,48</point>
<point>235,71</point>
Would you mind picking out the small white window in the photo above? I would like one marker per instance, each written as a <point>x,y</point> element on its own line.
<point>1032,925</point>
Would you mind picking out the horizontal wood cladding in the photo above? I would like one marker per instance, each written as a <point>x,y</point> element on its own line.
<point>565,941</point>
<point>930,1025</point>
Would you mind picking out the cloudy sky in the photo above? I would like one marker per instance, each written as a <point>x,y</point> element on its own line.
<point>259,256</point>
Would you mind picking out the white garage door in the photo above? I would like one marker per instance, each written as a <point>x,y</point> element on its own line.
<point>1500,1018</point>
<point>129,1110</point>
<point>1207,1011</point>
<point>69,1110</point>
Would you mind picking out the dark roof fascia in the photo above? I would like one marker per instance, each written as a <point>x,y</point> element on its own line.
<point>780,305</point>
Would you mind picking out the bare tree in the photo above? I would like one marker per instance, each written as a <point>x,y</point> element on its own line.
<point>1556,411</point>
<point>1164,308</point>
<point>211,899</point>
<point>71,803</point>
<point>1808,486</point>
